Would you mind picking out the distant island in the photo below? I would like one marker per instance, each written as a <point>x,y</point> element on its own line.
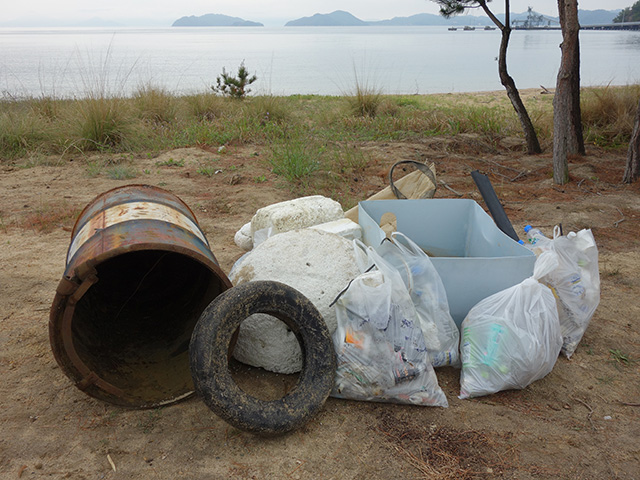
<point>214,20</point>
<point>340,18</point>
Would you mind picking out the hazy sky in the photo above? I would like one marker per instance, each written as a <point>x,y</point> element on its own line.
<point>269,12</point>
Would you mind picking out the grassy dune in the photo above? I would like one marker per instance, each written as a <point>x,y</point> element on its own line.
<point>299,130</point>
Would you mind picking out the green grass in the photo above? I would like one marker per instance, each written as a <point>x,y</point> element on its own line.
<point>349,159</point>
<point>22,132</point>
<point>207,170</point>
<point>156,120</point>
<point>121,172</point>
<point>296,156</point>
<point>171,163</point>
<point>269,109</point>
<point>619,357</point>
<point>36,159</point>
<point>94,168</point>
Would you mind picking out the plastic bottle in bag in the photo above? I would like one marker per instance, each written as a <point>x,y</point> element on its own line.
<point>537,241</point>
<point>533,233</point>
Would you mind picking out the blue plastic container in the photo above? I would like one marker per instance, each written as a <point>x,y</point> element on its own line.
<point>474,258</point>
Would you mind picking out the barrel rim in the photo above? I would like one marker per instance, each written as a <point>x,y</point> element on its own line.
<point>188,233</point>
<point>96,199</point>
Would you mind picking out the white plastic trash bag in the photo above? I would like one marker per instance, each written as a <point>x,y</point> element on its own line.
<point>428,295</point>
<point>575,281</point>
<point>380,346</point>
<point>511,338</point>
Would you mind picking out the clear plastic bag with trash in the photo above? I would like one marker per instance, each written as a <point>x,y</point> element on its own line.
<point>511,338</point>
<point>575,281</point>
<point>428,295</point>
<point>380,346</point>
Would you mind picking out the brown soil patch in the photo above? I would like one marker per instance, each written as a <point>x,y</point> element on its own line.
<point>581,421</point>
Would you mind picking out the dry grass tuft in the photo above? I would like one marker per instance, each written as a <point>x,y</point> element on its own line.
<point>444,453</point>
<point>155,104</point>
<point>206,106</point>
<point>608,114</point>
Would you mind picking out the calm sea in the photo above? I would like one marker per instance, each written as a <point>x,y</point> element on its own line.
<point>299,60</point>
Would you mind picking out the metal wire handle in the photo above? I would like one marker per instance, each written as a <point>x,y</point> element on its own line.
<point>424,168</point>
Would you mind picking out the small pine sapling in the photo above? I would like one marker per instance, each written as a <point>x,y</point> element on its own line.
<point>234,87</point>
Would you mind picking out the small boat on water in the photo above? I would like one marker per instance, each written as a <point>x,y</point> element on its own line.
<point>452,29</point>
<point>468,28</point>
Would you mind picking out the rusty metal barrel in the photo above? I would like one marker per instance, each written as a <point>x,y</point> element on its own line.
<point>139,272</point>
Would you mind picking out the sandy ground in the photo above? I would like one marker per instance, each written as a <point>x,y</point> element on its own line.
<point>582,421</point>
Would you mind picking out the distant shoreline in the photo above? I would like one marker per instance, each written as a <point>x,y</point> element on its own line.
<point>336,18</point>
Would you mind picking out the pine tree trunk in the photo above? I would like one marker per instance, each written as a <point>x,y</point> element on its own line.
<point>632,172</point>
<point>533,146</point>
<point>561,109</point>
<point>576,145</point>
<point>567,122</point>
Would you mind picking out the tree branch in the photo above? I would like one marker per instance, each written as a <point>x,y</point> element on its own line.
<point>494,19</point>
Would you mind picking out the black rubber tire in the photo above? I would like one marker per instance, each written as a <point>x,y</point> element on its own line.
<point>209,355</point>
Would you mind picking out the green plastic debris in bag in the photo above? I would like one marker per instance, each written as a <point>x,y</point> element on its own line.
<point>511,338</point>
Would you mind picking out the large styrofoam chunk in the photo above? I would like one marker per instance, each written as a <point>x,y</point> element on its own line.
<point>316,263</point>
<point>294,214</point>
<point>344,227</point>
<point>243,237</point>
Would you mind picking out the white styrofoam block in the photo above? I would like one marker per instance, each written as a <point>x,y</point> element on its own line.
<point>316,263</point>
<point>344,227</point>
<point>243,237</point>
<point>298,213</point>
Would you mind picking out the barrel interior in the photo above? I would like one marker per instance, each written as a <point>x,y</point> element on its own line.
<point>133,327</point>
